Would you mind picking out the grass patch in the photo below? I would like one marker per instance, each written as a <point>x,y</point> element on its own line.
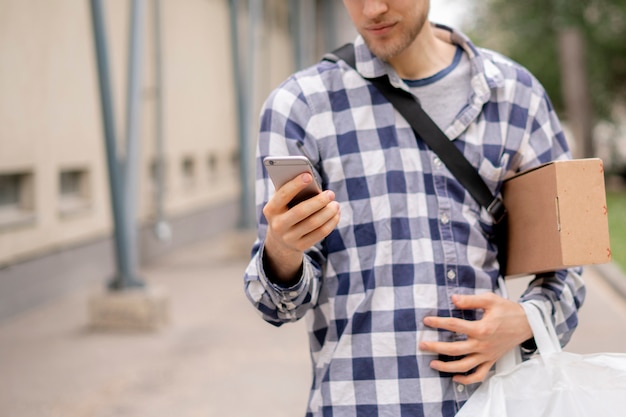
<point>616,203</point>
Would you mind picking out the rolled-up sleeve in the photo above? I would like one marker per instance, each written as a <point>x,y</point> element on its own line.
<point>278,304</point>
<point>284,122</point>
<point>559,295</point>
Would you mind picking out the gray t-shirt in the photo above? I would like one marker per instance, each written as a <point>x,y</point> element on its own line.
<point>445,93</point>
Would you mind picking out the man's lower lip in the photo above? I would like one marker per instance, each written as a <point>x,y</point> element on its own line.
<point>381,31</point>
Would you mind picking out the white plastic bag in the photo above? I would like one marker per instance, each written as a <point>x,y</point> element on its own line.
<point>555,384</point>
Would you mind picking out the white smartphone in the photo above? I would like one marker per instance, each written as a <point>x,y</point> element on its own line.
<point>282,169</point>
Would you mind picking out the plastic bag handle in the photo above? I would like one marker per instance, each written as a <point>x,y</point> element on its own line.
<point>509,360</point>
<point>545,337</point>
<point>543,330</point>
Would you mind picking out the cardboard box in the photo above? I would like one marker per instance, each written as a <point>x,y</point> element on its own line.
<point>557,217</point>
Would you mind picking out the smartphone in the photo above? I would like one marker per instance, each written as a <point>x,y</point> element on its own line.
<point>282,169</point>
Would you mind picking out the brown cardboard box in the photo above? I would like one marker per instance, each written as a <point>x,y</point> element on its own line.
<point>557,217</point>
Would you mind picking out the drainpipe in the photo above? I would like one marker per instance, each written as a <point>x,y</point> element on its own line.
<point>330,25</point>
<point>305,24</point>
<point>133,112</point>
<point>162,229</point>
<point>255,16</point>
<point>242,121</point>
<point>295,18</point>
<point>125,276</point>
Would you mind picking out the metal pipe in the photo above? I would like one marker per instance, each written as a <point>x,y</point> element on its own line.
<point>255,15</point>
<point>308,35</point>
<point>133,111</point>
<point>123,264</point>
<point>295,18</point>
<point>162,228</point>
<point>243,130</point>
<point>330,25</point>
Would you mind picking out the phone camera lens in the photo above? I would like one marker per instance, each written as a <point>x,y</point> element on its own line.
<point>271,162</point>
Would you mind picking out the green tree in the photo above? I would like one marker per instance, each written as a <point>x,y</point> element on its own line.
<point>528,31</point>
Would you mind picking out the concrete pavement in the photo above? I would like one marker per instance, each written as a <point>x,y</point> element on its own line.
<point>216,357</point>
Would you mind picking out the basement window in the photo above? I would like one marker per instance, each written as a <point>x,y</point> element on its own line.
<point>16,199</point>
<point>158,175</point>
<point>188,168</point>
<point>212,165</point>
<point>74,192</point>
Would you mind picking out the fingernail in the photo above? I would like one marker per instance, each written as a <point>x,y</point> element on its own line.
<point>306,178</point>
<point>330,195</point>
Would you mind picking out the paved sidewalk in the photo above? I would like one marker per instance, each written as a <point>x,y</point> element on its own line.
<point>215,358</point>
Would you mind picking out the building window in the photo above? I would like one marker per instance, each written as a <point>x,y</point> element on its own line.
<point>212,166</point>
<point>10,190</point>
<point>188,168</point>
<point>158,172</point>
<point>235,159</point>
<point>74,191</point>
<point>16,199</point>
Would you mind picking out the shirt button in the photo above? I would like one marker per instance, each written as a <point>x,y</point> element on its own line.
<point>451,274</point>
<point>437,162</point>
<point>445,219</point>
<point>460,388</point>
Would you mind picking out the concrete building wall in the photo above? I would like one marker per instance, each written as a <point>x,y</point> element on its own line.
<point>51,136</point>
<point>49,121</point>
<point>50,118</point>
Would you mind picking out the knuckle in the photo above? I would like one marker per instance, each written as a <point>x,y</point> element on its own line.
<point>277,224</point>
<point>297,210</point>
<point>326,229</point>
<point>267,212</point>
<point>484,330</point>
<point>491,297</point>
<point>466,366</point>
<point>302,246</point>
<point>480,374</point>
<point>454,350</point>
<point>472,379</point>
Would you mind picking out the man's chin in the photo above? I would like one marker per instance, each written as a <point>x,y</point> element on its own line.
<point>383,51</point>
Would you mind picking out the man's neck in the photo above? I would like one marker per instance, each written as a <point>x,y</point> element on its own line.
<point>426,56</point>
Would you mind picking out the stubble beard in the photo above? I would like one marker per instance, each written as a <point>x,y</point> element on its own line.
<point>388,49</point>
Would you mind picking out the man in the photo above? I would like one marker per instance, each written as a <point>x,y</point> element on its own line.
<point>393,265</point>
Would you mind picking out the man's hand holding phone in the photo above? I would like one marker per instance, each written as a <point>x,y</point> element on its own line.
<point>294,229</point>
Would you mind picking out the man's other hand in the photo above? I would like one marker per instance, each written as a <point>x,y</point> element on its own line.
<point>502,327</point>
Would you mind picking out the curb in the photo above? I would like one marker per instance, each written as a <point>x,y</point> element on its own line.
<point>613,275</point>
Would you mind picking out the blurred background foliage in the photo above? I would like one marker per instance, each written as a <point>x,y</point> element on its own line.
<point>531,32</point>
<point>528,32</point>
<point>616,202</point>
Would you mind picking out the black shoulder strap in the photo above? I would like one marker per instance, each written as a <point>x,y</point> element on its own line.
<point>424,128</point>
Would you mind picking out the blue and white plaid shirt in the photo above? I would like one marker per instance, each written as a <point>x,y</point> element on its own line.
<point>410,235</point>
